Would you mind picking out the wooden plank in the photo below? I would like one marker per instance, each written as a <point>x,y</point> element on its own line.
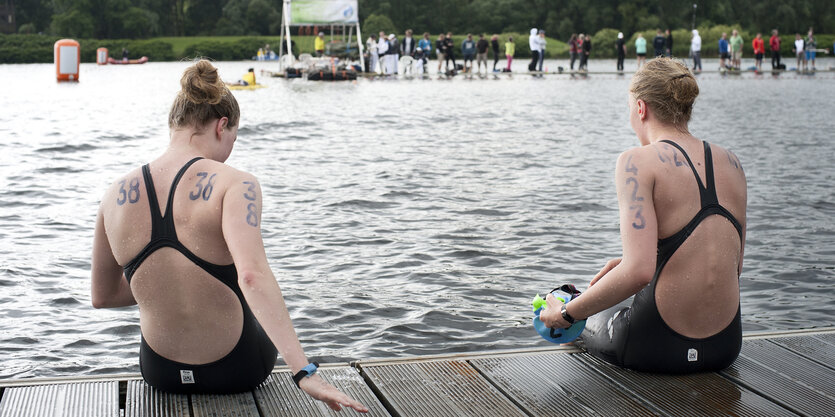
<point>279,396</point>
<point>557,384</point>
<point>145,401</point>
<point>798,383</point>
<point>230,405</point>
<point>812,347</point>
<point>438,389</point>
<point>94,399</point>
<point>705,394</point>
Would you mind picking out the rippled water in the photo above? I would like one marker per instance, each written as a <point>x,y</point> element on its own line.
<point>402,217</point>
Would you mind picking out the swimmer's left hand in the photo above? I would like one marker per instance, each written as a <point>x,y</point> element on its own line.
<point>317,388</point>
<point>551,316</point>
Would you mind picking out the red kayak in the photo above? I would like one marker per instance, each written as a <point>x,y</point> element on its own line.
<point>112,61</point>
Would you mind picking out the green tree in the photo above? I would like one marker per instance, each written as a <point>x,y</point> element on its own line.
<point>379,23</point>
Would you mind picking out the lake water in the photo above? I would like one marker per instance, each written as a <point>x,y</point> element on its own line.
<point>401,217</point>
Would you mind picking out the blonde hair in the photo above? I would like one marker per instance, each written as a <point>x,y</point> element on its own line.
<point>668,88</point>
<point>202,98</point>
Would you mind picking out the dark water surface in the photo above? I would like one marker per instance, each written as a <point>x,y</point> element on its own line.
<point>402,217</point>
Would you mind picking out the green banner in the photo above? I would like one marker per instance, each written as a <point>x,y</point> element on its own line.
<point>309,12</point>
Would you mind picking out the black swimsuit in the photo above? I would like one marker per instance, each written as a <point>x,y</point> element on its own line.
<point>637,337</point>
<point>253,357</point>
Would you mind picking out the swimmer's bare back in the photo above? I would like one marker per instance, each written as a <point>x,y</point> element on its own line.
<point>186,315</point>
<point>697,293</point>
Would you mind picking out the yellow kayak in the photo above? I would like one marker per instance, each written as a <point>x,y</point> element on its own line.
<point>246,87</point>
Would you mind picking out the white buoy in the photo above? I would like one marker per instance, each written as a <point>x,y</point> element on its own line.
<point>67,59</point>
<point>101,56</point>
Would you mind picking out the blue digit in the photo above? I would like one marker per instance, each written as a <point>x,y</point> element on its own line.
<point>250,193</point>
<point>123,195</point>
<point>638,216</point>
<point>194,195</point>
<point>631,168</point>
<point>635,196</point>
<point>207,192</point>
<point>133,193</point>
<point>251,215</point>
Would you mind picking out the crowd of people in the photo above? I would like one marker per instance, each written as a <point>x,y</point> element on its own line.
<point>730,50</point>
<point>384,51</point>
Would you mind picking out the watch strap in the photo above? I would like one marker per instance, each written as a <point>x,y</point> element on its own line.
<point>307,371</point>
<point>567,317</point>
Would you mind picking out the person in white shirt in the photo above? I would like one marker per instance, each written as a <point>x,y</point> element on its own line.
<point>541,41</point>
<point>799,48</point>
<point>696,50</point>
<point>533,43</point>
<point>383,50</point>
<point>373,57</point>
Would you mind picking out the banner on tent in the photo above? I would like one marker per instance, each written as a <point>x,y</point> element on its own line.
<point>309,12</point>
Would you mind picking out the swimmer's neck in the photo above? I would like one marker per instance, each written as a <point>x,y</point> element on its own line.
<point>192,142</point>
<point>661,131</point>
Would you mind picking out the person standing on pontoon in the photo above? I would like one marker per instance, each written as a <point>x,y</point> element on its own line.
<point>383,52</point>
<point>640,49</point>
<point>373,56</point>
<point>440,51</point>
<point>774,42</point>
<point>319,44</point>
<point>426,45</point>
<point>799,50</point>
<point>394,51</point>
<point>696,51</point>
<point>407,47</point>
<point>620,48</point>
<point>811,49</point>
<point>533,44</point>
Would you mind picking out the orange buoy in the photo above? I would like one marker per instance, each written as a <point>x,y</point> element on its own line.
<point>67,59</point>
<point>101,56</point>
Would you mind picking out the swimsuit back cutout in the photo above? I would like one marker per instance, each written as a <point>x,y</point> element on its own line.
<point>710,206</point>
<point>164,234</point>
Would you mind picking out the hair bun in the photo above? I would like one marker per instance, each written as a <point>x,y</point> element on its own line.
<point>201,84</point>
<point>684,90</point>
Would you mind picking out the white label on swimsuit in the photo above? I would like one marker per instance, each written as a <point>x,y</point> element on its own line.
<point>692,355</point>
<point>187,376</point>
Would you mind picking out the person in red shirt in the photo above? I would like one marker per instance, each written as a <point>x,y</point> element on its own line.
<point>759,50</point>
<point>774,42</point>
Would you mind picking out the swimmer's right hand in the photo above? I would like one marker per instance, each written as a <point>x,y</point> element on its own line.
<point>317,388</point>
<point>608,267</point>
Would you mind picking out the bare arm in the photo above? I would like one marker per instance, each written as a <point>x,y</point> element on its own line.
<point>639,234</point>
<point>242,231</point>
<point>108,285</point>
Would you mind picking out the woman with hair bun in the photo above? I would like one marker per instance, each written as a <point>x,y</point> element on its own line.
<point>181,238</point>
<point>682,222</point>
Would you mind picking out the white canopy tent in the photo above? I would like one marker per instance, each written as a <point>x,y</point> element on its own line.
<point>318,12</point>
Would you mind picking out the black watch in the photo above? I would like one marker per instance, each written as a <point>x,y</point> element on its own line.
<point>567,317</point>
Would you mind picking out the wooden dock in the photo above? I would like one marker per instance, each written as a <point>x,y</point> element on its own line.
<point>777,374</point>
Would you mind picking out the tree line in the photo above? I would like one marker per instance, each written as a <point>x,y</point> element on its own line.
<point>140,19</point>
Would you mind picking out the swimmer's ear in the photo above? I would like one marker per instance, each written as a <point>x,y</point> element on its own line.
<point>221,125</point>
<point>642,109</point>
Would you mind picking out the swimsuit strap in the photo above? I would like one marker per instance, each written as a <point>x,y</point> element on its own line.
<point>163,226</point>
<point>168,219</point>
<point>153,203</point>
<point>706,193</point>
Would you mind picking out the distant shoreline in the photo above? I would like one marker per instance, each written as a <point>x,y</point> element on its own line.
<point>33,49</point>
